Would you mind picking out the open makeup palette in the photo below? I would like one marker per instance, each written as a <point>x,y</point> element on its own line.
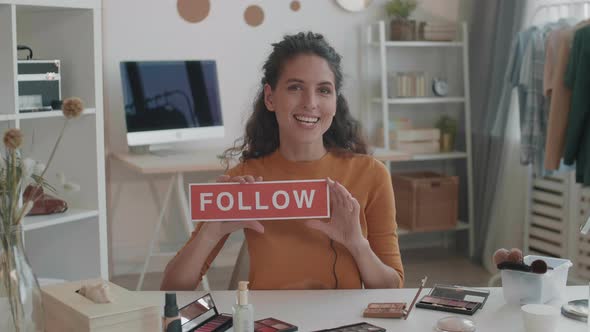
<point>201,315</point>
<point>455,299</point>
<point>393,309</point>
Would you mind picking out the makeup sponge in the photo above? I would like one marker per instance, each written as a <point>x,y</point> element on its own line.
<point>515,255</point>
<point>501,255</point>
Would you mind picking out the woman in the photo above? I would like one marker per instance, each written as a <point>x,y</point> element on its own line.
<point>301,128</point>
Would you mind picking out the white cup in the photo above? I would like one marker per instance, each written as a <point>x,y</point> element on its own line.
<point>540,317</point>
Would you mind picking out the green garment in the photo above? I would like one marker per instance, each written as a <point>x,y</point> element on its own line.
<point>577,139</point>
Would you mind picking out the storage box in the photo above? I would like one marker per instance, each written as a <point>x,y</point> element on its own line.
<point>413,135</point>
<point>527,287</point>
<point>66,310</point>
<point>39,85</point>
<point>426,200</point>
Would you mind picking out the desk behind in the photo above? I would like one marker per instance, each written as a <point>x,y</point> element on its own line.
<point>193,161</point>
<point>174,165</point>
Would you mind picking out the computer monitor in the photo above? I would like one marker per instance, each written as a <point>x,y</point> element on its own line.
<point>170,101</point>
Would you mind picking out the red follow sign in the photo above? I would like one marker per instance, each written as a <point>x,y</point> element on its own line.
<point>260,200</point>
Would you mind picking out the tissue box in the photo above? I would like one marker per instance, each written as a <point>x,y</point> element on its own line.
<point>526,287</point>
<point>66,310</point>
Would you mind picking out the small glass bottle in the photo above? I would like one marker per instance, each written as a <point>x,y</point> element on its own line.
<point>243,312</point>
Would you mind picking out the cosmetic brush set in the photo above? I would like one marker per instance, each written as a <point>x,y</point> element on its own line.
<point>512,259</point>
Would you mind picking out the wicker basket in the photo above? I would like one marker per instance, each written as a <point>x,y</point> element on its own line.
<point>426,201</point>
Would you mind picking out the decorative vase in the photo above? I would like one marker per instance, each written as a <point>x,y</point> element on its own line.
<point>447,143</point>
<point>21,307</point>
<point>402,29</point>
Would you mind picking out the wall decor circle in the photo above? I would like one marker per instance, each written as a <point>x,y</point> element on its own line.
<point>193,11</point>
<point>354,5</point>
<point>254,15</point>
<point>295,5</point>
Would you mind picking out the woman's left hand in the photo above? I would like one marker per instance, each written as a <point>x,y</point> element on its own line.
<point>344,226</point>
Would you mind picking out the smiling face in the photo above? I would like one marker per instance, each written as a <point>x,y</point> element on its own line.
<point>304,102</point>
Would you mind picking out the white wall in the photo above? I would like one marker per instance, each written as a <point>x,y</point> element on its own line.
<point>142,29</point>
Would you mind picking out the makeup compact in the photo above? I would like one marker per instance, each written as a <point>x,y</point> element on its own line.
<point>456,299</point>
<point>455,324</point>
<point>358,327</point>
<point>273,325</point>
<point>201,315</point>
<point>394,309</point>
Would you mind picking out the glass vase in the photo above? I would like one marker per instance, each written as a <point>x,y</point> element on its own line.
<point>21,307</point>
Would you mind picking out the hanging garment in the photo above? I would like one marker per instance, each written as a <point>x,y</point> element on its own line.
<point>512,77</point>
<point>577,78</point>
<point>535,108</point>
<point>560,100</point>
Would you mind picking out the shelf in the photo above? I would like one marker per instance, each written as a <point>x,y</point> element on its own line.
<point>395,155</point>
<point>35,5</point>
<point>420,44</point>
<point>461,226</point>
<point>422,100</point>
<point>440,156</point>
<point>39,115</point>
<point>71,215</point>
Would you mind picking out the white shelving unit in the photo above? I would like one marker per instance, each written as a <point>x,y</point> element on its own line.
<point>70,245</point>
<point>381,51</point>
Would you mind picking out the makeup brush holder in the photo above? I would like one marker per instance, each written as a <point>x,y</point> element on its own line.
<point>527,287</point>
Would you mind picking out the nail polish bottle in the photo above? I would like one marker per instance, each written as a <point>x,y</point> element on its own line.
<point>171,319</point>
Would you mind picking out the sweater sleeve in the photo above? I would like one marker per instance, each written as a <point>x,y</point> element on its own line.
<point>381,222</point>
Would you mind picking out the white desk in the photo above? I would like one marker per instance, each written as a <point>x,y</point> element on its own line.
<point>175,165</point>
<point>321,309</point>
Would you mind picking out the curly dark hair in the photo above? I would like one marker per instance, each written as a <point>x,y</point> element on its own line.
<point>262,130</point>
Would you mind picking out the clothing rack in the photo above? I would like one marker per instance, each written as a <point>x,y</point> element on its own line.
<point>558,196</point>
<point>559,5</point>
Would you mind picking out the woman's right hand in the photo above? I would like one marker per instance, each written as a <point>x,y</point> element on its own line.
<point>215,230</point>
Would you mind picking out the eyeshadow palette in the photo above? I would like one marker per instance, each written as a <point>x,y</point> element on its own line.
<point>449,305</point>
<point>219,323</point>
<point>385,310</point>
<point>393,309</point>
<point>456,299</point>
<point>201,315</point>
<point>273,325</point>
<point>359,327</point>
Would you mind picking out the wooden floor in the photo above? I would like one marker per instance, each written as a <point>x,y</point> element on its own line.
<point>442,266</point>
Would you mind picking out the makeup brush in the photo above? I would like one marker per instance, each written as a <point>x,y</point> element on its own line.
<point>515,255</point>
<point>508,265</point>
<point>501,255</point>
<point>539,266</point>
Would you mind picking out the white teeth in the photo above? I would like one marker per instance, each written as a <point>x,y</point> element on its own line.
<point>306,119</point>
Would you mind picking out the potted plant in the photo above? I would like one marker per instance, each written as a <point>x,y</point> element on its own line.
<point>448,130</point>
<point>401,27</point>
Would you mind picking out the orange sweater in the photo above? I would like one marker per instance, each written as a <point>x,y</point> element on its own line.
<point>289,255</point>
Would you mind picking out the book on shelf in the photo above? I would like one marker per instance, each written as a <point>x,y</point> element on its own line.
<point>408,85</point>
